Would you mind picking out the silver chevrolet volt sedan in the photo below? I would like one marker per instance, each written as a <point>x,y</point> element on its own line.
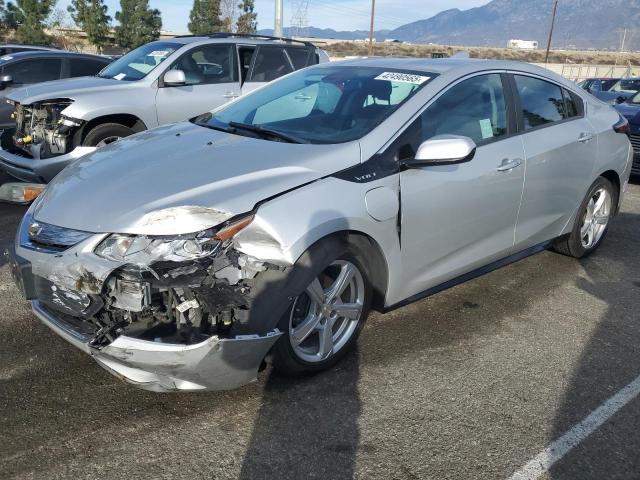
<point>184,257</point>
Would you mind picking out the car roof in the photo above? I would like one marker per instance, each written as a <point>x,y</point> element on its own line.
<point>22,45</point>
<point>242,39</point>
<point>53,54</point>
<point>438,65</point>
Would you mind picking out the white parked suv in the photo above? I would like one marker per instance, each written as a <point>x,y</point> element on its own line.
<point>161,82</point>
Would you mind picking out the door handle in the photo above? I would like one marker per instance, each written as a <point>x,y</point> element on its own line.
<point>302,97</point>
<point>585,138</point>
<point>231,95</point>
<point>508,165</point>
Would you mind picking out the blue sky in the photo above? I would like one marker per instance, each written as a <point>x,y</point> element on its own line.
<point>336,14</point>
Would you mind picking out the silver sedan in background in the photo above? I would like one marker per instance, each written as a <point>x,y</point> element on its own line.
<point>183,257</point>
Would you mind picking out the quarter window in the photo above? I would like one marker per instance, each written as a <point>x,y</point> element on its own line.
<point>542,102</point>
<point>474,108</point>
<point>299,57</point>
<point>573,104</point>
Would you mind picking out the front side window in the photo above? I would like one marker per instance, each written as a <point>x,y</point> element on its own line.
<point>542,102</point>
<point>209,64</point>
<point>474,108</point>
<point>325,104</point>
<point>627,85</point>
<point>34,71</point>
<point>138,63</point>
<point>270,63</point>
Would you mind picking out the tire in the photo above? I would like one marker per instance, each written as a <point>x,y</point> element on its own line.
<point>291,356</point>
<point>106,133</point>
<point>579,245</point>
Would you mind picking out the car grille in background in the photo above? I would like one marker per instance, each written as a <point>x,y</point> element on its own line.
<point>635,141</point>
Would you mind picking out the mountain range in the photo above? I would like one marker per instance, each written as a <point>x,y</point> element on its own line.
<point>582,24</point>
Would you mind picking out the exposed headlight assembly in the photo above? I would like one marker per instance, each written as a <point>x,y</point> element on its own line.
<point>145,250</point>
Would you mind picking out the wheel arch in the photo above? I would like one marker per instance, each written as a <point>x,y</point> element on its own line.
<point>614,178</point>
<point>373,257</point>
<point>128,120</point>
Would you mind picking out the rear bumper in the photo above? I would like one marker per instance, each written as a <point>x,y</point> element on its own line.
<point>38,170</point>
<point>216,364</point>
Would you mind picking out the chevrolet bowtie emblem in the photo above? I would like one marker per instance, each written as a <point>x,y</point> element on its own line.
<point>34,229</point>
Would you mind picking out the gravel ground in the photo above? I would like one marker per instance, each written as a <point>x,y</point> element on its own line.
<point>471,383</point>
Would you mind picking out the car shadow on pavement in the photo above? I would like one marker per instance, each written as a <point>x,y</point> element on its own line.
<point>610,361</point>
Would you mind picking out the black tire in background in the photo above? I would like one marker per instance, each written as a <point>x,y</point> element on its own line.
<point>106,133</point>
<point>571,245</point>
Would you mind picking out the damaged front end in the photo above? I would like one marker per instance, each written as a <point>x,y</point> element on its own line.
<point>186,312</point>
<point>42,131</point>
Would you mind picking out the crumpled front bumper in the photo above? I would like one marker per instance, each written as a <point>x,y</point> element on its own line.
<point>216,364</point>
<point>38,170</point>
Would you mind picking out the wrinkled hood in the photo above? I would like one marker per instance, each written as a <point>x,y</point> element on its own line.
<point>66,88</point>
<point>181,178</point>
<point>630,111</point>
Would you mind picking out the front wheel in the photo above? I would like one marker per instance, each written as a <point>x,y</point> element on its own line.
<point>592,222</point>
<point>324,321</point>
<point>105,134</point>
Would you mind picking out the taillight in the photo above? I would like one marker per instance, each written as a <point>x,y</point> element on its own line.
<point>622,126</point>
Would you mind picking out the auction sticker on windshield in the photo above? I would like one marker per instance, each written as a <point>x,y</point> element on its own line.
<point>403,78</point>
<point>158,53</point>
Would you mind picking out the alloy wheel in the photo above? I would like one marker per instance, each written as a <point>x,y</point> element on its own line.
<point>326,315</point>
<point>596,218</point>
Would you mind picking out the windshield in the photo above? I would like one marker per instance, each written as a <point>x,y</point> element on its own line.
<point>322,104</point>
<point>635,99</point>
<point>136,64</point>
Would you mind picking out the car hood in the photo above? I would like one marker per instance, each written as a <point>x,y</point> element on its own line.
<point>66,88</point>
<point>180,179</point>
<point>629,111</point>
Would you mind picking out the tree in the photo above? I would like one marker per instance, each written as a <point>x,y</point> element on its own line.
<point>30,16</point>
<point>205,17</point>
<point>228,14</point>
<point>247,21</point>
<point>91,16</point>
<point>139,24</point>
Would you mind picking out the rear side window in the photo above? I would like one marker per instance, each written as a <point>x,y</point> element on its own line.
<point>542,102</point>
<point>474,108</point>
<point>299,57</point>
<point>34,71</point>
<point>270,63</point>
<point>84,67</point>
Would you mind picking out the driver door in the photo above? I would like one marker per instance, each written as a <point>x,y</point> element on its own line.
<point>459,217</point>
<point>211,73</point>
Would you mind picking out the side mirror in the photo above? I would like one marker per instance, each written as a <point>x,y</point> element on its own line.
<point>5,81</point>
<point>621,99</point>
<point>174,78</point>
<point>443,150</point>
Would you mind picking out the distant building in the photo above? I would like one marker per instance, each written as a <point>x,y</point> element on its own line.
<point>523,44</point>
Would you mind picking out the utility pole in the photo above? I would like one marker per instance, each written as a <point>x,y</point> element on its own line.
<point>373,15</point>
<point>553,22</point>
<point>277,29</point>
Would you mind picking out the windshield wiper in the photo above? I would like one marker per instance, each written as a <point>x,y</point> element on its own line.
<point>262,131</point>
<point>215,127</point>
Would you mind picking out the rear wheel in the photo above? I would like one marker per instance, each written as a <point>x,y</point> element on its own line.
<point>324,321</point>
<point>593,220</point>
<point>105,134</point>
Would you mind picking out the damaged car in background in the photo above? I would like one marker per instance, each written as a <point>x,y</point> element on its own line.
<point>158,83</point>
<point>264,232</point>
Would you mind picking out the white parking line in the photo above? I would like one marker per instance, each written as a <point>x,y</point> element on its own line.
<point>542,462</point>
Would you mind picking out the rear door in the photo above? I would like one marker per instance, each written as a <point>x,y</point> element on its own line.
<point>212,78</point>
<point>457,218</point>
<point>561,152</point>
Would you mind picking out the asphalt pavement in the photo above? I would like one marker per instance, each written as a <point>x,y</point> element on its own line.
<point>469,384</point>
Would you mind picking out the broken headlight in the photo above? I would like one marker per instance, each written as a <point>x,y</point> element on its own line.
<point>145,250</point>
